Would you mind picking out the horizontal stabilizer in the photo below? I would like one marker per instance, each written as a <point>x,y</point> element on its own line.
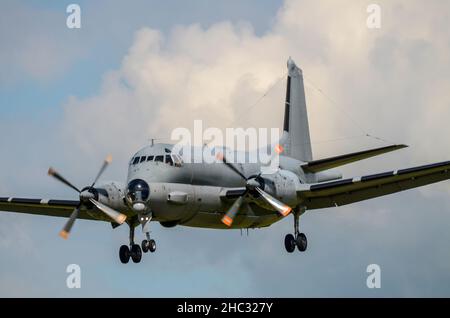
<point>333,162</point>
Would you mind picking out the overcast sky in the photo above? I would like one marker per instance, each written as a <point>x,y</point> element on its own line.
<point>137,69</point>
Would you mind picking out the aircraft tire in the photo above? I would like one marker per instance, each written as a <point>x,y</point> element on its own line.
<point>136,253</point>
<point>289,243</point>
<point>124,254</point>
<point>301,242</point>
<point>152,246</point>
<point>145,245</point>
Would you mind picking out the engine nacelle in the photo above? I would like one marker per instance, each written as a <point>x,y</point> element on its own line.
<point>282,185</point>
<point>111,194</point>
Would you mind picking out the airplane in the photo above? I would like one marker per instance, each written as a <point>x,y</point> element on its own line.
<point>162,187</point>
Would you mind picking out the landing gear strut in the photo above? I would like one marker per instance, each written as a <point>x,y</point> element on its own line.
<point>298,239</point>
<point>148,244</point>
<point>133,251</point>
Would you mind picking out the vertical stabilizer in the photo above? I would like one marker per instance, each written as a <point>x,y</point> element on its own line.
<point>296,127</point>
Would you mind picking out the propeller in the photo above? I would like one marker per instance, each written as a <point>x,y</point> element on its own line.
<point>86,195</point>
<point>251,183</point>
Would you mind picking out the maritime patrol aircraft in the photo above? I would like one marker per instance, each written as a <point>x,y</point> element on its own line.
<point>161,186</point>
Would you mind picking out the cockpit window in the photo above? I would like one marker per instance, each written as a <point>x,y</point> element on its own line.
<point>169,160</point>
<point>136,161</point>
<point>159,158</point>
<point>143,158</point>
<point>177,160</point>
<point>150,158</point>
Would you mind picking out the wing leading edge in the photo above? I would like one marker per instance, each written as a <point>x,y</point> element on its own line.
<point>342,192</point>
<point>58,208</point>
<point>333,162</point>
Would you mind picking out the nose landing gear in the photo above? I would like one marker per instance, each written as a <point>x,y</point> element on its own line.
<point>148,244</point>
<point>298,239</point>
<point>134,251</point>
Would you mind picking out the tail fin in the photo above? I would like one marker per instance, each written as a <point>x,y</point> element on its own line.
<point>298,143</point>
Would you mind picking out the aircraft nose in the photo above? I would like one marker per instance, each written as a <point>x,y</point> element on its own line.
<point>137,194</point>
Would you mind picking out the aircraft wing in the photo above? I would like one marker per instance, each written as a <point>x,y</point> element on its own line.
<point>333,162</point>
<point>342,192</point>
<point>59,208</point>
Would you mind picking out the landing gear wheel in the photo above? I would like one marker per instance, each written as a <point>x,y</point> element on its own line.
<point>289,243</point>
<point>148,246</point>
<point>145,246</point>
<point>152,246</point>
<point>301,242</point>
<point>136,253</point>
<point>124,254</point>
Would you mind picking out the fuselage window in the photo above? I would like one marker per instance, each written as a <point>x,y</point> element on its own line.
<point>150,158</point>
<point>136,160</point>
<point>143,158</point>
<point>169,160</point>
<point>159,158</point>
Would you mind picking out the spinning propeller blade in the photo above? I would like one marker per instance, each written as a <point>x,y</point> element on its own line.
<point>107,161</point>
<point>113,214</point>
<point>116,216</point>
<point>251,183</point>
<point>282,208</point>
<point>66,230</point>
<point>52,172</point>
<point>232,211</point>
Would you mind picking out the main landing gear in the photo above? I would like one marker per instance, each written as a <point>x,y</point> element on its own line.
<point>134,251</point>
<point>298,239</point>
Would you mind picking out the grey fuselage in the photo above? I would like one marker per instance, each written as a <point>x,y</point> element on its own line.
<point>193,194</point>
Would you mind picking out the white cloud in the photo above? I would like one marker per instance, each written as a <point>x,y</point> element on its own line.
<point>36,44</point>
<point>215,73</point>
<point>394,81</point>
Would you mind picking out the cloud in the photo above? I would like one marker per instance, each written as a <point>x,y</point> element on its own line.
<point>36,44</point>
<point>392,82</point>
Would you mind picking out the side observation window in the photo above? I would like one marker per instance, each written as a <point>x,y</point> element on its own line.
<point>143,158</point>
<point>150,158</point>
<point>159,158</point>
<point>136,160</point>
<point>169,160</point>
